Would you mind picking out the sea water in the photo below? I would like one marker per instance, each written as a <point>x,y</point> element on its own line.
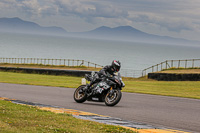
<point>134,56</point>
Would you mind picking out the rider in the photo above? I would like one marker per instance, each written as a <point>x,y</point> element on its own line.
<point>109,69</point>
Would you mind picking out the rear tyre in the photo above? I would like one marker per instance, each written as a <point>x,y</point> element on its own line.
<point>80,98</point>
<point>112,100</point>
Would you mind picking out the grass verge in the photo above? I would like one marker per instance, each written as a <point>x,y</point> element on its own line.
<point>181,70</point>
<point>50,66</point>
<point>189,89</point>
<point>16,118</point>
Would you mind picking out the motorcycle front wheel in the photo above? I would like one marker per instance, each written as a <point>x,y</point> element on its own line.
<point>114,98</point>
<point>80,98</point>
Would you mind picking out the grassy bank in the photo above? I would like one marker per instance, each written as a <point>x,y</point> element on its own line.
<point>189,89</point>
<point>50,66</point>
<point>182,70</point>
<point>16,118</point>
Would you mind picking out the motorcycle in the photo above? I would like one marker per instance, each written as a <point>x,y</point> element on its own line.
<point>108,90</point>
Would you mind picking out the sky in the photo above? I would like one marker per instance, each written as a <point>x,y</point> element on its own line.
<point>175,18</point>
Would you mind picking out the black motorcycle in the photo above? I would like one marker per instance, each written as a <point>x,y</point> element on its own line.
<point>108,90</point>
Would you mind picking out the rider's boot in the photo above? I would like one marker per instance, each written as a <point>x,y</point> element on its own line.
<point>84,88</point>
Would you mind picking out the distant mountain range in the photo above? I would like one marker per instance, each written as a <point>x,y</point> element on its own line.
<point>129,33</point>
<point>126,33</point>
<point>18,25</point>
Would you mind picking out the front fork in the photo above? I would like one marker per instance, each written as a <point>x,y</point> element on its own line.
<point>111,92</point>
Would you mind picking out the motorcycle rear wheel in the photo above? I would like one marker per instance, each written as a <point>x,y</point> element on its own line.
<point>114,98</point>
<point>80,98</point>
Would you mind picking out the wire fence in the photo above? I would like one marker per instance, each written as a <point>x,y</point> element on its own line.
<point>52,62</point>
<point>65,62</point>
<point>188,63</point>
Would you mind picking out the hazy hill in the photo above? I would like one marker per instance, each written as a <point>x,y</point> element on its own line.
<point>18,25</point>
<point>129,33</point>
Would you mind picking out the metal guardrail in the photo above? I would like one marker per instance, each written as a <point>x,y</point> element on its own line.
<point>53,62</point>
<point>187,63</point>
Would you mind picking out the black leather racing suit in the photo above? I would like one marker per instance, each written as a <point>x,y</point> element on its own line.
<point>107,69</point>
<point>102,73</point>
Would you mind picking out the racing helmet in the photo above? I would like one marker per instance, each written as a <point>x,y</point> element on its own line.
<point>116,65</point>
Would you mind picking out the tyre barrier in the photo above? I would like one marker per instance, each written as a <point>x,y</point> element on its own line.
<point>79,73</point>
<point>174,77</point>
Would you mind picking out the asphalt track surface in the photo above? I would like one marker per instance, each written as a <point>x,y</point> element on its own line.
<point>170,112</point>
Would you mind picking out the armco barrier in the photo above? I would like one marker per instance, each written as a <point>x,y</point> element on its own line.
<point>47,71</point>
<point>174,77</point>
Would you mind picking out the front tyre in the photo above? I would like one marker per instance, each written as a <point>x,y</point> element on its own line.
<point>80,98</point>
<point>112,100</point>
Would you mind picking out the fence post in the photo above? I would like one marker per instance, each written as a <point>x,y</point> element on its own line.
<point>185,63</point>
<point>143,73</point>
<point>161,66</point>
<point>171,63</point>
<point>193,63</point>
<point>179,64</point>
<point>64,62</point>
<point>52,60</point>
<point>166,64</point>
<point>83,62</point>
<point>157,67</point>
<point>60,62</point>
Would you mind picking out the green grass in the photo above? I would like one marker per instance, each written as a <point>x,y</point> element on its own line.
<point>16,118</point>
<point>50,66</point>
<point>189,89</point>
<point>36,79</point>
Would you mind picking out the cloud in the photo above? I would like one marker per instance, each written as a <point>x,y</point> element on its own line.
<point>174,15</point>
<point>171,23</point>
<point>29,8</point>
<point>88,10</point>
